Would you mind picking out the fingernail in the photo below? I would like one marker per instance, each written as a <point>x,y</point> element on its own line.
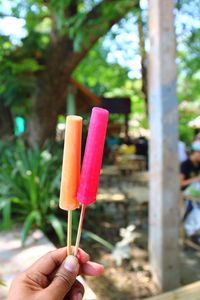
<point>71,264</point>
<point>79,296</point>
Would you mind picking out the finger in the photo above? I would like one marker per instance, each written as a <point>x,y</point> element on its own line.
<point>51,261</point>
<point>91,268</point>
<point>64,278</point>
<point>77,291</point>
<point>82,256</point>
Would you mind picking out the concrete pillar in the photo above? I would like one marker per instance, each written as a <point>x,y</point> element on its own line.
<point>163,119</point>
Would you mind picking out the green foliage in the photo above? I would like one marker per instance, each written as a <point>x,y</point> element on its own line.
<point>188,68</point>
<point>57,226</point>
<point>33,218</point>
<point>18,68</point>
<point>46,25</point>
<point>186,133</point>
<point>47,22</point>
<point>99,75</point>
<point>188,46</point>
<point>106,79</point>
<point>29,188</point>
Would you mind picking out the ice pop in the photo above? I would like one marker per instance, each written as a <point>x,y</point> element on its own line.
<point>71,163</point>
<point>92,160</point>
<point>91,166</point>
<point>71,170</point>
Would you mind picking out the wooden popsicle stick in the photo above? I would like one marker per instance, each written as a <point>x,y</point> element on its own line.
<point>80,227</point>
<point>69,232</point>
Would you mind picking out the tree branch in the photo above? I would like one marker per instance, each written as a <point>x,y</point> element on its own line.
<point>97,22</point>
<point>2,15</point>
<point>102,17</point>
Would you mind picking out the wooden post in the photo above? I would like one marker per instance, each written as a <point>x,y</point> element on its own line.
<point>164,174</point>
<point>126,117</point>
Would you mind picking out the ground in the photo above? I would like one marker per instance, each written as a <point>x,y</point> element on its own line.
<point>120,205</point>
<point>129,205</point>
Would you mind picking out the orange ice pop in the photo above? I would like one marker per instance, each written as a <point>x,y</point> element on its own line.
<point>71,170</point>
<point>71,163</point>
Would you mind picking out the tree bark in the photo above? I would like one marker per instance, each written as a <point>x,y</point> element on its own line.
<point>6,121</point>
<point>51,95</point>
<point>49,99</point>
<point>143,59</point>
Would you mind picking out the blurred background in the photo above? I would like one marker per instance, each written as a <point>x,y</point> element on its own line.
<point>65,57</point>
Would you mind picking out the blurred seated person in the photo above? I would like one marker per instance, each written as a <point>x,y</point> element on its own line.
<point>182,154</point>
<point>190,168</point>
<point>112,140</point>
<point>142,148</point>
<point>197,135</point>
<point>190,174</point>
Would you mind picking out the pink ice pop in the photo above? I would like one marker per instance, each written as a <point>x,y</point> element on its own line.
<point>92,160</point>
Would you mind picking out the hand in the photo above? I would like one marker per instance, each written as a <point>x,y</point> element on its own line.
<point>195,179</point>
<point>53,277</point>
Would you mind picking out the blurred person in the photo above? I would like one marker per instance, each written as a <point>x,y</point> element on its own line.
<point>189,177</point>
<point>142,148</point>
<point>197,135</point>
<point>182,154</point>
<point>190,168</point>
<point>53,277</point>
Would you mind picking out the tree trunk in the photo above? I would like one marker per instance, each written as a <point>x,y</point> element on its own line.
<point>48,102</point>
<point>50,97</point>
<point>6,121</point>
<point>143,60</point>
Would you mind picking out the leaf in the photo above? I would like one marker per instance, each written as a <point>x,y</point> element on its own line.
<point>78,41</point>
<point>33,217</point>
<point>3,203</point>
<point>75,219</point>
<point>6,212</point>
<point>57,226</point>
<point>2,282</point>
<point>98,239</point>
<point>26,65</point>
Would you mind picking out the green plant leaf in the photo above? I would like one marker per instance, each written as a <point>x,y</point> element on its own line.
<point>32,218</point>
<point>7,218</point>
<point>98,239</point>
<point>57,226</point>
<point>3,203</point>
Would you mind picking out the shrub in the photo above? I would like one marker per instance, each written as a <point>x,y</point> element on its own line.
<point>29,188</point>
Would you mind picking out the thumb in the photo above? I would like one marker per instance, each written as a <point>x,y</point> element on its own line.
<point>64,278</point>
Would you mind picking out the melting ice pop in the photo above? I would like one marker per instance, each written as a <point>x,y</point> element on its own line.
<point>71,170</point>
<point>92,161</point>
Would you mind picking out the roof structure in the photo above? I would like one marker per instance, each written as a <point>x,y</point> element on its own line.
<point>85,99</point>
